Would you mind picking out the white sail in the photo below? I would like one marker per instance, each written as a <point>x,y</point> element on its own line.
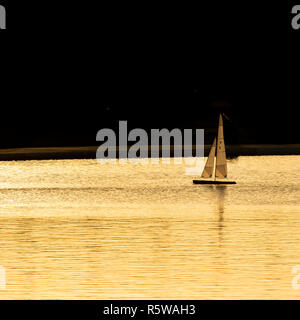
<point>210,162</point>
<point>221,165</point>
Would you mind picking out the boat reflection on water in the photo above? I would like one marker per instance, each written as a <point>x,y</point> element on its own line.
<point>219,194</point>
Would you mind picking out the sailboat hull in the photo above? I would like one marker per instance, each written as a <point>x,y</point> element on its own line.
<point>213,182</point>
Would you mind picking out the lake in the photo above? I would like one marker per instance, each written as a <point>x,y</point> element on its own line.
<point>76,229</point>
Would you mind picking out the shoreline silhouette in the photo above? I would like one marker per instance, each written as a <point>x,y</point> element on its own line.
<point>89,152</point>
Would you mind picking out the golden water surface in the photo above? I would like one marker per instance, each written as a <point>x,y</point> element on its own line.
<point>76,229</point>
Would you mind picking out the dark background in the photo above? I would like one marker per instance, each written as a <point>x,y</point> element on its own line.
<point>68,70</point>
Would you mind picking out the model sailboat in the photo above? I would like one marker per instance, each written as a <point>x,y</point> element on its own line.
<point>218,168</point>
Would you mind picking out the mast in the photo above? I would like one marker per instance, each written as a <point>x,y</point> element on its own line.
<point>210,162</point>
<point>221,165</point>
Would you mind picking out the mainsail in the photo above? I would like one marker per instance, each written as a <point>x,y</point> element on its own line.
<point>210,162</point>
<point>221,166</point>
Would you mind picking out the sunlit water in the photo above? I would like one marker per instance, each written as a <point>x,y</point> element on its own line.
<point>76,229</point>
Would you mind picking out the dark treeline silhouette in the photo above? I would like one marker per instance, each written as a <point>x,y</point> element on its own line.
<point>167,67</point>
